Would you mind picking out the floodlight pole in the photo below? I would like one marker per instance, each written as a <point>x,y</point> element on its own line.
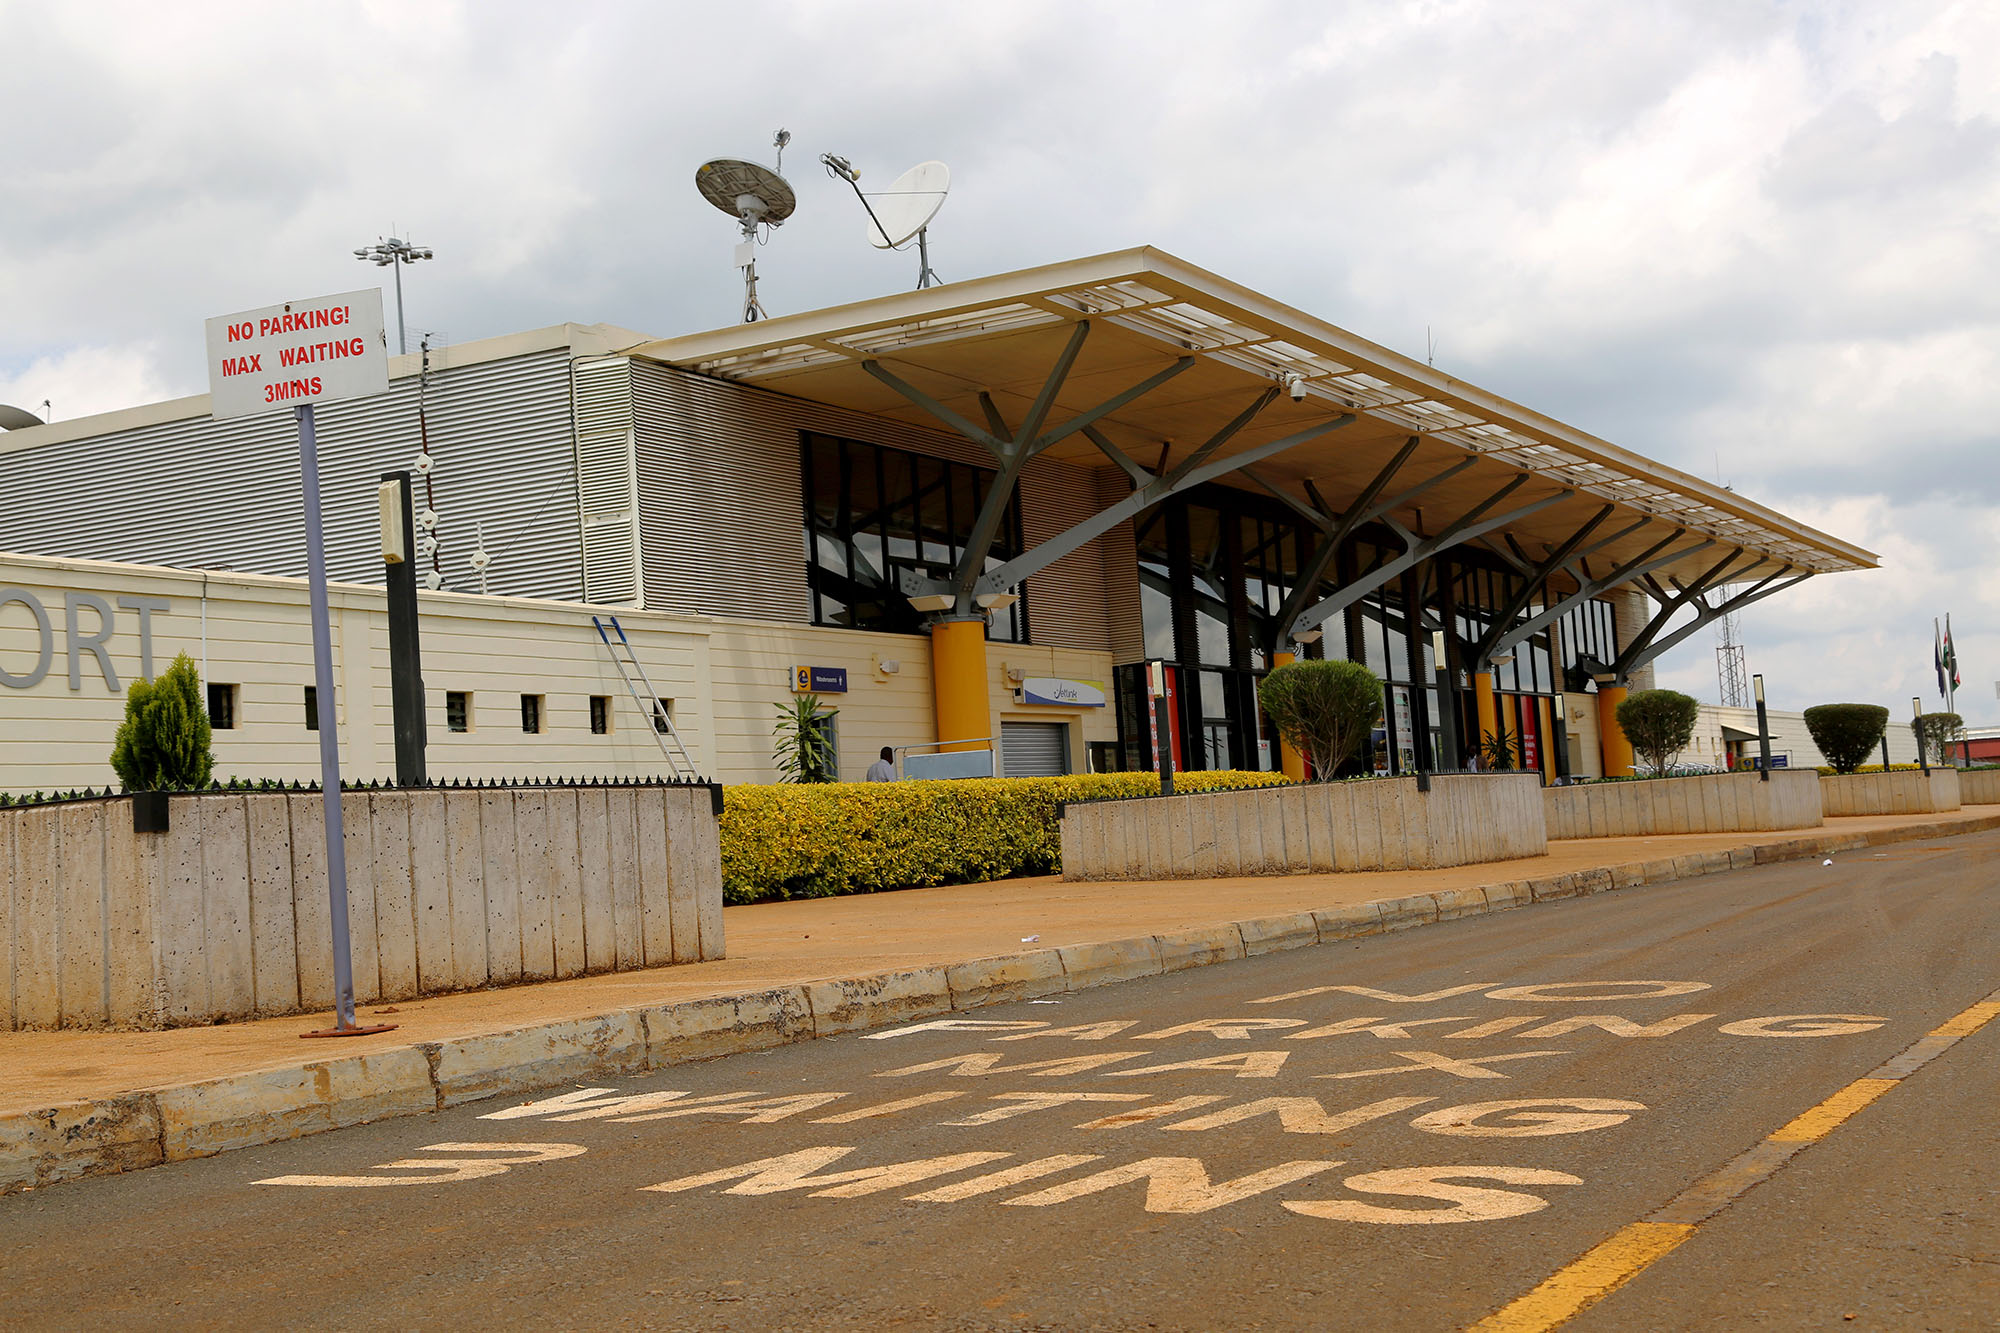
<point>402,329</point>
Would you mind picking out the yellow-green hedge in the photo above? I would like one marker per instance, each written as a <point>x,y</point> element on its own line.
<point>823,839</point>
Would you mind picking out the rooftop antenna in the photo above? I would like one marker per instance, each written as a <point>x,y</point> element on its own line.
<point>17,418</point>
<point>1732,685</point>
<point>903,210</point>
<point>759,199</point>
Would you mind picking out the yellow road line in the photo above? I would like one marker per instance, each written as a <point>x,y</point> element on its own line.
<point>1601,1271</point>
<point>1969,1022</point>
<point>1609,1265</point>
<point>1811,1126</point>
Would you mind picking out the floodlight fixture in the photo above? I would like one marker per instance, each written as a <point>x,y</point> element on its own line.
<point>394,252</point>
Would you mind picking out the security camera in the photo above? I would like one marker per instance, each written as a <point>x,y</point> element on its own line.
<point>1295,385</point>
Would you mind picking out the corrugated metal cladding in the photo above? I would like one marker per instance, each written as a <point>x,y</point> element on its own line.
<point>722,510</point>
<point>225,493</point>
<point>1121,575</point>
<point>607,481</point>
<point>1034,749</point>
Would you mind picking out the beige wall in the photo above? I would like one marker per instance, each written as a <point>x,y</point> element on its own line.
<point>723,676</point>
<point>754,661</point>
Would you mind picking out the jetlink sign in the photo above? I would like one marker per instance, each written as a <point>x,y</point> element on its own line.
<point>300,352</point>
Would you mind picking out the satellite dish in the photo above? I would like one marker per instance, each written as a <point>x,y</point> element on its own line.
<point>907,206</point>
<point>756,196</point>
<point>14,418</point>
<point>747,191</point>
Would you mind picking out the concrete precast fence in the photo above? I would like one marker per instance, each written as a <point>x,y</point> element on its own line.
<point>1902,792</point>
<point>1373,824</point>
<point>1979,786</point>
<point>225,915</point>
<point>1712,803</point>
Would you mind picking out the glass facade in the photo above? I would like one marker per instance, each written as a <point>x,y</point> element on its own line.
<point>879,521</point>
<point>1215,568</point>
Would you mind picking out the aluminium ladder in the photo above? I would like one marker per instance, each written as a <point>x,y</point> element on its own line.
<point>627,662</point>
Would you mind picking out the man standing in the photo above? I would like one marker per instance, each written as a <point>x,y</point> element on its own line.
<point>883,769</point>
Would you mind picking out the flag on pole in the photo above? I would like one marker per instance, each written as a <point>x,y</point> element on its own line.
<point>1949,666</point>
<point>1937,658</point>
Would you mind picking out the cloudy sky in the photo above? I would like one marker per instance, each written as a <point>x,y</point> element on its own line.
<point>1760,242</point>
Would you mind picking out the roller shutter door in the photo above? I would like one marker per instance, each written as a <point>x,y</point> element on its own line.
<point>1034,749</point>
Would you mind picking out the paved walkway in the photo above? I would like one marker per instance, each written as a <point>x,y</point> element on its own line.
<point>786,944</point>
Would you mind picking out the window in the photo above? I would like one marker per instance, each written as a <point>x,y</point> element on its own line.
<point>531,714</point>
<point>878,522</point>
<point>222,707</point>
<point>457,710</point>
<point>312,708</point>
<point>600,715</point>
<point>663,715</point>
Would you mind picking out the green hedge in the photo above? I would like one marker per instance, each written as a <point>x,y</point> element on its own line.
<point>818,841</point>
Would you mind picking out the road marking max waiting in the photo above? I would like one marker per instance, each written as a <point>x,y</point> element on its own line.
<point>1607,1266</point>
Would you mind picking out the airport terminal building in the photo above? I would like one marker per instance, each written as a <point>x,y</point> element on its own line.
<point>966,515</point>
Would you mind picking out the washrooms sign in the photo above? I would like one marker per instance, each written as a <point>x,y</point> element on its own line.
<point>301,352</point>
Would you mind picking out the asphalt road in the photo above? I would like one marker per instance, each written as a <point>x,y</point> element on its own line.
<point>1405,1132</point>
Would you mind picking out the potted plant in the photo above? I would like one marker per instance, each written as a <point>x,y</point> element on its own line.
<point>1659,724</point>
<point>1326,709</point>
<point>163,743</point>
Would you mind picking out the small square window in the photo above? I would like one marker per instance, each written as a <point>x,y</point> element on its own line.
<point>457,710</point>
<point>312,708</point>
<point>531,714</point>
<point>600,715</point>
<point>222,707</point>
<point>663,715</point>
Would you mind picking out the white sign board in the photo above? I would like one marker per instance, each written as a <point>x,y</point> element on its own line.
<point>300,352</point>
<point>1065,693</point>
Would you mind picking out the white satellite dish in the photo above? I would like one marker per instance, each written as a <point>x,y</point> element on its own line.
<point>14,418</point>
<point>907,206</point>
<point>903,210</point>
<point>756,196</point>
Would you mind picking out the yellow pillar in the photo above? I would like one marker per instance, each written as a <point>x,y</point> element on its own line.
<point>958,683</point>
<point>1611,742</point>
<point>1289,759</point>
<point>1482,700</point>
<point>1546,741</point>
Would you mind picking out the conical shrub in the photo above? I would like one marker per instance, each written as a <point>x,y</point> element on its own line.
<point>164,740</point>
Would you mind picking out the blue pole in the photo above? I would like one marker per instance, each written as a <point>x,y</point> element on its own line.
<point>329,738</point>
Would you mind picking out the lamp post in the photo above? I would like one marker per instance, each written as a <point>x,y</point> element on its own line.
<point>394,253</point>
<point>1763,730</point>
<point>1916,730</point>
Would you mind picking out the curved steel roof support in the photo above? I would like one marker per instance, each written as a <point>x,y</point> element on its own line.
<point>1633,654</point>
<point>1189,474</point>
<point>1707,614</point>
<point>1463,529</point>
<point>1531,585</point>
<point>1588,587</point>
<point>1363,510</point>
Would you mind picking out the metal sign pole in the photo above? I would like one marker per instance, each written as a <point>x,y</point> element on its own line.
<point>329,740</point>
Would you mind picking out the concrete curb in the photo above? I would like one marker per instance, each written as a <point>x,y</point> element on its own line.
<point>134,1130</point>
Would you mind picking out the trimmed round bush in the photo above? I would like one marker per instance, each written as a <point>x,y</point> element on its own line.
<point>1325,709</point>
<point>1847,733</point>
<point>1659,724</point>
<point>163,742</point>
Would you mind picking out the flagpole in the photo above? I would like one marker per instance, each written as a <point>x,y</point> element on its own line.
<point>1950,670</point>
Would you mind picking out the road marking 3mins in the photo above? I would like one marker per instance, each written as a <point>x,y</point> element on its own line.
<point>1172,1184</point>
